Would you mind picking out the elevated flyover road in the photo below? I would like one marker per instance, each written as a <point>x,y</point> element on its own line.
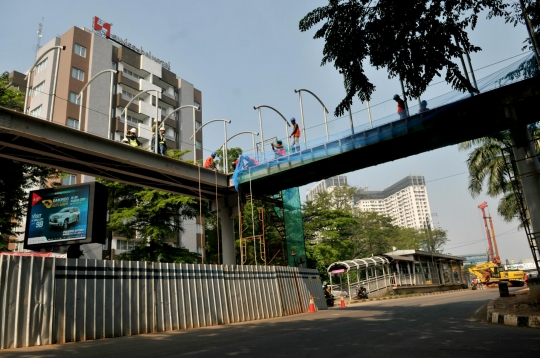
<point>441,325</point>
<point>36,141</point>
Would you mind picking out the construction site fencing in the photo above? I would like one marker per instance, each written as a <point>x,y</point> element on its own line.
<point>51,300</point>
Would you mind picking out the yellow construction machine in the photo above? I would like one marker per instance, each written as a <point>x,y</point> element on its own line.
<point>492,272</point>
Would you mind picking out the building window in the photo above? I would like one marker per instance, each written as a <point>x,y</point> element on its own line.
<point>79,50</point>
<point>73,123</point>
<point>133,119</point>
<point>198,144</point>
<point>198,125</point>
<point>36,112</point>
<point>73,98</point>
<point>132,74</point>
<point>38,89</point>
<point>195,103</point>
<point>78,74</point>
<point>41,66</point>
<point>125,245</point>
<point>114,65</point>
<point>199,229</point>
<point>69,179</point>
<point>130,95</point>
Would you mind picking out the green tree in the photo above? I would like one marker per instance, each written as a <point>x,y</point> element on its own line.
<point>488,171</point>
<point>232,155</point>
<point>9,97</point>
<point>154,251</point>
<point>413,40</point>
<point>152,216</point>
<point>16,178</point>
<point>433,240</point>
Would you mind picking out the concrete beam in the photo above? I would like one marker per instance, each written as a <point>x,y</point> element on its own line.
<point>36,141</point>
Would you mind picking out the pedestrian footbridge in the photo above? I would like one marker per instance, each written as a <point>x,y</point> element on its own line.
<point>455,117</point>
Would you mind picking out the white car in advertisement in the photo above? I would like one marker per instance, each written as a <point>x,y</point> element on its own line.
<point>65,217</point>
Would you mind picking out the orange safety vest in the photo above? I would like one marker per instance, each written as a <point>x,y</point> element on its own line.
<point>400,106</point>
<point>209,162</point>
<point>296,132</point>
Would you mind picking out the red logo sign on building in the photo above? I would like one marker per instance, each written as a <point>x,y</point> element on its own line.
<point>102,27</point>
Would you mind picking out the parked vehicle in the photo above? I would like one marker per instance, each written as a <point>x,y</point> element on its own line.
<point>65,217</point>
<point>361,293</point>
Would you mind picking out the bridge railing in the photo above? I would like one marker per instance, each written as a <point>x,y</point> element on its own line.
<point>359,136</point>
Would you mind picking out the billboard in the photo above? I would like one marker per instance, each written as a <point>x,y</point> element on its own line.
<point>66,215</point>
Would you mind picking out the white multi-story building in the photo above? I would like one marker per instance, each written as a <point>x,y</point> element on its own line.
<point>406,202</point>
<point>60,75</point>
<point>325,185</point>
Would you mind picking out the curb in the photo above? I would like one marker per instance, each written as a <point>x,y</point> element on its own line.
<point>407,296</point>
<point>511,319</point>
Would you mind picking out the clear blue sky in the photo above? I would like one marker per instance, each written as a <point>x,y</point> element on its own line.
<point>242,53</point>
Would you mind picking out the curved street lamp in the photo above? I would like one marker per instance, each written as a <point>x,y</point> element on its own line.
<point>253,134</point>
<point>176,110</point>
<point>260,124</point>
<point>28,75</point>
<point>80,98</point>
<point>225,121</point>
<point>325,111</point>
<point>157,113</point>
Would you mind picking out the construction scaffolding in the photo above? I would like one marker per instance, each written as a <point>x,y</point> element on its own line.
<point>515,179</point>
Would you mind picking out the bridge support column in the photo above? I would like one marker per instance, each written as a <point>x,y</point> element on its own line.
<point>528,169</point>
<point>227,211</point>
<point>227,236</point>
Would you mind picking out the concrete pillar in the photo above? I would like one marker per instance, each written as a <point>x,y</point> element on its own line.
<point>528,170</point>
<point>227,236</point>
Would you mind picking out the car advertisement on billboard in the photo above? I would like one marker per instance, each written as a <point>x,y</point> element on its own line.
<point>57,215</point>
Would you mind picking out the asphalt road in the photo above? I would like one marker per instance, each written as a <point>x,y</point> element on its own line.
<point>424,326</point>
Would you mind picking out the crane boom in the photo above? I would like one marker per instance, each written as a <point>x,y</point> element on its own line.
<point>494,256</point>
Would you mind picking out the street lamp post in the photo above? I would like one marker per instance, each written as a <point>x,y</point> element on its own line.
<point>130,101</point>
<point>176,110</point>
<point>28,75</point>
<point>80,98</point>
<point>260,124</point>
<point>325,111</point>
<point>225,160</point>
<point>253,134</point>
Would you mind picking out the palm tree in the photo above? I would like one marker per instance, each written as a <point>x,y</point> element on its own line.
<point>486,164</point>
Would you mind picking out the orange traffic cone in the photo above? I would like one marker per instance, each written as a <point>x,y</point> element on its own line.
<point>311,305</point>
<point>342,300</point>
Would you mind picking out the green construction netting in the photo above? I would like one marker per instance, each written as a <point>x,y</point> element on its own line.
<point>294,228</point>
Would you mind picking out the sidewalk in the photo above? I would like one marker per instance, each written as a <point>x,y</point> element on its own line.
<point>515,310</point>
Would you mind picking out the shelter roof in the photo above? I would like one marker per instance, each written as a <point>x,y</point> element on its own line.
<point>358,263</point>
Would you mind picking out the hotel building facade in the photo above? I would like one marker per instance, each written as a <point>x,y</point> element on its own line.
<point>60,75</point>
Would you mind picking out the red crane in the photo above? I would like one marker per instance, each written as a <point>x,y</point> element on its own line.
<point>494,256</point>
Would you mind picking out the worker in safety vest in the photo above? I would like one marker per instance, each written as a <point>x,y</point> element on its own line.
<point>209,162</point>
<point>295,136</point>
<point>132,138</point>
<point>401,107</point>
<point>278,148</point>
<point>162,144</point>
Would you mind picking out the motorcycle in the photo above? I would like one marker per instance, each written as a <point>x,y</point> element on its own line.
<point>361,293</point>
<point>329,298</point>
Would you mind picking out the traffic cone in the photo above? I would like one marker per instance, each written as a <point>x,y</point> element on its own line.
<point>311,305</point>
<point>342,300</point>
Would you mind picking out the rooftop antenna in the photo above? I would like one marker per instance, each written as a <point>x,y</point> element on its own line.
<point>39,26</point>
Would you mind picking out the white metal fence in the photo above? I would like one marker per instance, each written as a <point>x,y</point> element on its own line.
<point>51,300</point>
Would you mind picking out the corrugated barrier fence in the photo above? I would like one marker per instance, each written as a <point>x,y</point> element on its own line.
<point>51,300</point>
